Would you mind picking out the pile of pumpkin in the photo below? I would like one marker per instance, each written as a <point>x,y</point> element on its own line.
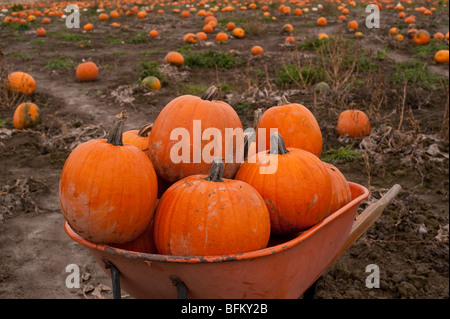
<point>125,191</point>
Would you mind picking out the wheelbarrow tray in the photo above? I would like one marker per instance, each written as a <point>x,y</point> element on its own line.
<point>284,270</point>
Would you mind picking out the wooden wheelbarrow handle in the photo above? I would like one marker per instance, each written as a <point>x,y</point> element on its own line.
<point>369,216</point>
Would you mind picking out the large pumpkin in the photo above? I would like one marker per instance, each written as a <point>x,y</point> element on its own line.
<point>21,82</point>
<point>26,115</point>
<point>184,137</point>
<point>341,193</point>
<point>204,215</point>
<point>294,184</point>
<point>108,189</point>
<point>295,123</point>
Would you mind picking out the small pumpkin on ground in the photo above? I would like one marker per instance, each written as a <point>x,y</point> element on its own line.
<point>87,71</point>
<point>174,58</point>
<point>354,123</point>
<point>151,83</point>
<point>204,215</point>
<point>26,115</point>
<point>21,82</point>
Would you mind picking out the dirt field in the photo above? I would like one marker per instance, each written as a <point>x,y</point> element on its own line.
<point>401,88</point>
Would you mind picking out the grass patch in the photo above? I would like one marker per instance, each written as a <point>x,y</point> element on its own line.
<point>430,49</point>
<point>20,55</point>
<point>37,42</point>
<point>309,74</point>
<point>60,63</point>
<point>69,37</point>
<point>415,72</point>
<point>149,68</point>
<point>342,154</point>
<point>209,59</point>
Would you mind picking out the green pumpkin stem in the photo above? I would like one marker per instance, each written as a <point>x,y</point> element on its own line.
<point>145,130</point>
<point>277,145</point>
<point>216,171</point>
<point>115,134</point>
<point>211,93</point>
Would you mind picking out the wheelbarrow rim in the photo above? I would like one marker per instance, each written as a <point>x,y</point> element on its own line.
<point>220,258</point>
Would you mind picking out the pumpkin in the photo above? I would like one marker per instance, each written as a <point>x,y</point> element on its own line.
<point>175,158</point>
<point>256,50</point>
<point>185,14</point>
<point>238,33</point>
<point>103,17</point>
<point>295,123</point>
<point>190,38</point>
<point>174,58</point>
<point>421,37</point>
<point>21,82</point>
<point>151,83</point>
<point>399,37</point>
<point>108,189</point>
<point>321,36</point>
<point>87,71</point>
<point>114,14</point>
<point>354,123</point>
<point>40,32</point>
<point>88,27</point>
<point>288,28</point>
<point>139,138</point>
<point>205,215</point>
<point>341,194</point>
<point>297,190</point>
<point>153,33</point>
<point>298,12</point>
<point>202,36</point>
<point>230,26</point>
<point>142,14</point>
<point>441,56</point>
<point>439,35</point>
<point>221,37</point>
<point>208,28</point>
<point>26,115</point>
<point>143,244</point>
<point>46,21</point>
<point>289,41</point>
<point>322,21</point>
<point>353,25</point>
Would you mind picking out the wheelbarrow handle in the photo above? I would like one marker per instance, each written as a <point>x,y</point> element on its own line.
<point>369,216</point>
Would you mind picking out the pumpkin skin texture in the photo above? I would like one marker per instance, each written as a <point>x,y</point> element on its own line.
<point>205,215</point>
<point>296,124</point>
<point>87,71</point>
<point>341,194</point>
<point>297,194</point>
<point>108,189</point>
<point>441,56</point>
<point>138,138</point>
<point>143,244</point>
<point>421,37</point>
<point>26,115</point>
<point>174,58</point>
<point>354,123</point>
<point>180,114</point>
<point>21,82</point>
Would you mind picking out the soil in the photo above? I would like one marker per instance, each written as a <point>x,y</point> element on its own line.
<point>408,144</point>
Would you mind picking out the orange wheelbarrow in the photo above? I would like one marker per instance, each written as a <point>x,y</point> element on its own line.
<point>287,268</point>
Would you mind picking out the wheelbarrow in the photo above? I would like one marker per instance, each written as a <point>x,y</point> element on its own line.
<point>287,268</point>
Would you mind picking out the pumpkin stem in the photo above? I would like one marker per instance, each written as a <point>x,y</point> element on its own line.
<point>145,130</point>
<point>216,171</point>
<point>283,101</point>
<point>115,134</point>
<point>258,114</point>
<point>211,93</point>
<point>277,145</point>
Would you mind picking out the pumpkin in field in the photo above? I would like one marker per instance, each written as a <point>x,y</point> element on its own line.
<point>151,83</point>
<point>88,27</point>
<point>174,58</point>
<point>21,82</point>
<point>103,17</point>
<point>238,33</point>
<point>354,123</point>
<point>26,115</point>
<point>201,36</point>
<point>190,38</point>
<point>441,56</point>
<point>138,138</point>
<point>185,133</point>
<point>40,32</point>
<point>221,37</point>
<point>153,33</point>
<point>142,14</point>
<point>322,21</point>
<point>288,28</point>
<point>421,37</point>
<point>353,25</point>
<point>205,215</point>
<point>341,194</point>
<point>230,26</point>
<point>108,189</point>
<point>295,123</point>
<point>294,184</point>
<point>257,50</point>
<point>87,71</point>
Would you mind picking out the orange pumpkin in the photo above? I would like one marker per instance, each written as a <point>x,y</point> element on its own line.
<point>40,32</point>
<point>88,27</point>
<point>231,25</point>
<point>257,50</point>
<point>341,194</point>
<point>21,82</point>
<point>190,38</point>
<point>103,17</point>
<point>354,123</point>
<point>176,150</point>
<point>439,35</point>
<point>87,71</point>
<point>238,33</point>
<point>26,115</point>
<point>202,36</point>
<point>297,190</point>
<point>288,28</point>
<point>145,243</point>
<point>422,37</point>
<point>174,58</point>
<point>353,25</point>
<point>221,37</point>
<point>139,138</point>
<point>153,33</point>
<point>322,21</point>
<point>142,15</point>
<point>151,83</point>
<point>295,123</point>
<point>205,215</point>
<point>441,56</point>
<point>108,198</point>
